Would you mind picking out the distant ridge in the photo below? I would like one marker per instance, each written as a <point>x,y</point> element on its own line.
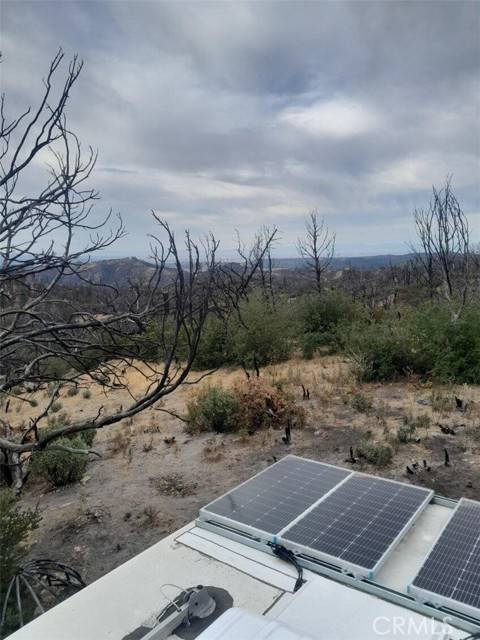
<point>122,271</point>
<point>365,263</point>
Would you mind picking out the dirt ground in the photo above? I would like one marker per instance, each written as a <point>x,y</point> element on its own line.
<point>143,488</point>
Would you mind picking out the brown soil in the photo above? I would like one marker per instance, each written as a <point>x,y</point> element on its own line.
<point>143,488</point>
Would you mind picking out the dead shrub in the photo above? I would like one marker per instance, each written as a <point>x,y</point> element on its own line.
<point>150,515</point>
<point>173,484</point>
<point>148,446</point>
<point>261,406</point>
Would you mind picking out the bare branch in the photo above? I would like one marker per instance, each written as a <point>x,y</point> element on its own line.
<point>317,248</point>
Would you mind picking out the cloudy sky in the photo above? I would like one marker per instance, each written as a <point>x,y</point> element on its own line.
<point>232,115</point>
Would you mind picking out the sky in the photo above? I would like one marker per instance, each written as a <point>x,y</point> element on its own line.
<point>232,115</point>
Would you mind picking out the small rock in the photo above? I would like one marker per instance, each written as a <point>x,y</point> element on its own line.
<point>85,479</point>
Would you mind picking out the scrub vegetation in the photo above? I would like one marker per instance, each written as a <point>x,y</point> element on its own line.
<point>208,371</point>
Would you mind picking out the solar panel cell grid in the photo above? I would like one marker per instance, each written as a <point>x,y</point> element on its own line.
<point>272,499</point>
<point>452,568</point>
<point>359,521</point>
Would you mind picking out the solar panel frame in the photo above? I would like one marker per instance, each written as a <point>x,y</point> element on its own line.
<point>437,600</point>
<point>356,570</point>
<point>205,515</point>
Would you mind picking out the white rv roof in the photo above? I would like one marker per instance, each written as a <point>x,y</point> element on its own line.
<point>260,584</point>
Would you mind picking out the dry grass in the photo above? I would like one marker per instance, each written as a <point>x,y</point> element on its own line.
<point>121,443</point>
<point>209,465</point>
<point>214,450</point>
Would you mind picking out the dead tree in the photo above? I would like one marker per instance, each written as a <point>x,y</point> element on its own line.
<point>317,248</point>
<point>50,336</point>
<point>444,253</point>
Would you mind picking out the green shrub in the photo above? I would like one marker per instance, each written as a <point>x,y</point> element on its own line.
<point>428,342</point>
<point>380,351</point>
<point>72,391</point>
<point>361,403</point>
<point>251,405</point>
<point>265,335</point>
<point>310,343</point>
<point>16,524</point>
<point>62,420</point>
<point>58,420</point>
<point>54,367</point>
<point>56,406</point>
<point>411,425</point>
<point>86,394</point>
<point>458,352</point>
<point>423,421</point>
<point>52,389</point>
<point>215,349</point>
<point>320,316</point>
<point>214,409</point>
<point>88,436</point>
<point>61,467</point>
<point>377,454</point>
<point>405,433</point>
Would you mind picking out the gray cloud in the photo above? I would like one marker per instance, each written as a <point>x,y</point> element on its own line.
<point>223,115</point>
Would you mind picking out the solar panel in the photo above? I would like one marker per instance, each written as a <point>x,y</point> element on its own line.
<point>269,501</point>
<point>450,575</point>
<point>356,525</point>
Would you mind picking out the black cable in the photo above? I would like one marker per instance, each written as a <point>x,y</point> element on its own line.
<point>289,556</point>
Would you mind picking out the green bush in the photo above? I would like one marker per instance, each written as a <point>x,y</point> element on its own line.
<point>320,316</point>
<point>265,335</point>
<point>454,353</point>
<point>214,409</point>
<point>88,436</point>
<point>62,420</point>
<point>215,349</point>
<point>429,342</point>
<point>310,343</point>
<point>361,403</point>
<point>61,467</point>
<point>86,394</point>
<point>376,454</point>
<point>380,351</point>
<point>56,406</point>
<point>412,425</point>
<point>54,368</point>
<point>405,433</point>
<point>16,524</point>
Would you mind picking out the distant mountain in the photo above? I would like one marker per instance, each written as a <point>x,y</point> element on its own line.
<point>121,271</point>
<point>118,271</point>
<point>114,272</point>
<point>361,262</point>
